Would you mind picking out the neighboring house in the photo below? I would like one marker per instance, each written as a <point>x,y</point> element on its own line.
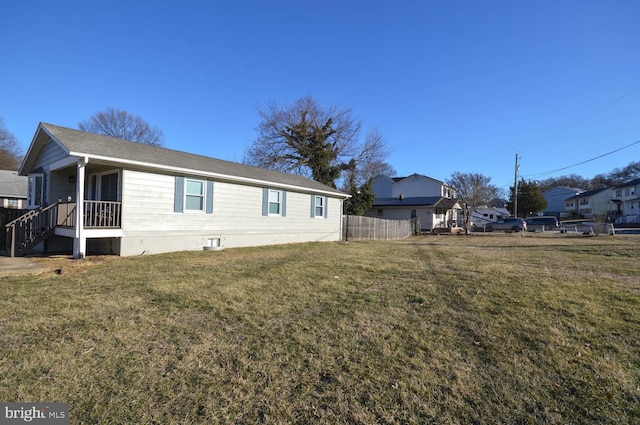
<point>13,190</point>
<point>589,204</point>
<point>105,195</point>
<point>415,196</point>
<point>556,198</point>
<point>499,203</point>
<point>625,202</point>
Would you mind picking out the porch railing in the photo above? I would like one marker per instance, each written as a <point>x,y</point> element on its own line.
<point>30,229</point>
<point>37,225</point>
<point>97,214</point>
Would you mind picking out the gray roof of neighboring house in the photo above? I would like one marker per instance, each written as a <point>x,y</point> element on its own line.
<point>564,188</point>
<point>587,194</point>
<point>80,143</point>
<point>398,179</point>
<point>13,185</point>
<point>418,201</point>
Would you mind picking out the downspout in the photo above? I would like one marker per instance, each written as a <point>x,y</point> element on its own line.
<point>80,242</point>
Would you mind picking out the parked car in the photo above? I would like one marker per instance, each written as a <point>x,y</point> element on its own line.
<point>507,224</point>
<point>544,223</point>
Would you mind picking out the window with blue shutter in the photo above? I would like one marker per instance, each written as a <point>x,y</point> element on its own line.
<point>318,206</point>
<point>193,195</point>
<point>274,202</point>
<point>178,198</point>
<point>209,200</point>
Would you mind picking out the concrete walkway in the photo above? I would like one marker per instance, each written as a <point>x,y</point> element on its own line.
<point>18,266</point>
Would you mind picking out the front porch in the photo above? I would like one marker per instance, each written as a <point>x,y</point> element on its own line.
<point>96,214</point>
<point>98,219</point>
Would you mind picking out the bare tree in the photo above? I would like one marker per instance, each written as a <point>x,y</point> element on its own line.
<point>10,155</point>
<point>601,181</point>
<point>571,180</point>
<point>625,174</point>
<point>122,125</point>
<point>321,143</point>
<point>361,170</point>
<point>472,190</point>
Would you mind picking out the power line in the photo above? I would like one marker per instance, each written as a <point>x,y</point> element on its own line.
<point>588,117</point>
<point>582,162</point>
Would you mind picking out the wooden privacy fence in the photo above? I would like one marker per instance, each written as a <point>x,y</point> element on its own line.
<point>7,215</point>
<point>370,228</point>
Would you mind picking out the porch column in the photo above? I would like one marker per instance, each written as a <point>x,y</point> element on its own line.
<point>80,242</point>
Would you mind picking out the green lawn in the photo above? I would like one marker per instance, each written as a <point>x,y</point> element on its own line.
<point>435,329</point>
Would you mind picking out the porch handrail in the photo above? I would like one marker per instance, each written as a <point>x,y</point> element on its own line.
<point>33,226</point>
<point>38,224</point>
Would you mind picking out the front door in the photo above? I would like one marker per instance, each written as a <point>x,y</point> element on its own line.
<point>104,186</point>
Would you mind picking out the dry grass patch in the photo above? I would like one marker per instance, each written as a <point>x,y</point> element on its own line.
<point>488,329</point>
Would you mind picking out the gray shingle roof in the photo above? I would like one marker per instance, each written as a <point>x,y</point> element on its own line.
<point>88,144</point>
<point>12,185</point>
<point>417,201</point>
<point>587,194</point>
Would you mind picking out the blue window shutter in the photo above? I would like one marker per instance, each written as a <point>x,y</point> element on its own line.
<point>178,198</point>
<point>265,202</point>
<point>209,200</point>
<point>326,205</point>
<point>313,206</point>
<point>283,203</point>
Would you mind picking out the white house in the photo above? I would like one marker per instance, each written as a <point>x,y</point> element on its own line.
<point>415,196</point>
<point>96,194</point>
<point>589,204</point>
<point>625,202</point>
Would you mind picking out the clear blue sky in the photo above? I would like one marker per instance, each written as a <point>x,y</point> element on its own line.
<point>451,85</point>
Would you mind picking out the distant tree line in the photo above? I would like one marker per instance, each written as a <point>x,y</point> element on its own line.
<point>599,181</point>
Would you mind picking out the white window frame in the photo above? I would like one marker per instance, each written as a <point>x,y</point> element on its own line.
<point>318,205</point>
<point>278,202</point>
<point>32,196</point>
<point>12,203</point>
<point>188,195</point>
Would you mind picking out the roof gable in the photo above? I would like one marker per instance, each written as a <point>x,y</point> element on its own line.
<point>417,176</point>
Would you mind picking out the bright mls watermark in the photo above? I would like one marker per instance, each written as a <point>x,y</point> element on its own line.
<point>34,413</point>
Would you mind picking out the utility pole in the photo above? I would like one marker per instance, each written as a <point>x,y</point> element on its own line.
<point>515,190</point>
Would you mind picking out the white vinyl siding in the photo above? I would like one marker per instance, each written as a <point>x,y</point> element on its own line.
<point>51,152</point>
<point>150,225</point>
